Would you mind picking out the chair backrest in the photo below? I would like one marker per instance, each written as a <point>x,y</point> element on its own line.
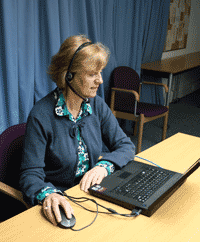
<point>126,78</point>
<point>11,146</point>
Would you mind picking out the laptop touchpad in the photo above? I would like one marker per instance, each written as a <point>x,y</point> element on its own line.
<point>125,174</point>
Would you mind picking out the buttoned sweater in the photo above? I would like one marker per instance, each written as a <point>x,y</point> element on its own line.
<point>50,154</point>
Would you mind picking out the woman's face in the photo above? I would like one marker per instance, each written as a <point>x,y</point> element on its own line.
<point>86,83</point>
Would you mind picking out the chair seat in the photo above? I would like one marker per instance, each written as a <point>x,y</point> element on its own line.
<point>149,110</point>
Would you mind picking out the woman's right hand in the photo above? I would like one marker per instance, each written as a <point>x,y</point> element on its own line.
<point>51,208</point>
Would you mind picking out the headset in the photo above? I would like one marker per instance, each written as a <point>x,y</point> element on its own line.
<point>69,76</point>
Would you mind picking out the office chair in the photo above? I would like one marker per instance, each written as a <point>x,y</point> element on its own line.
<point>11,145</point>
<point>125,101</point>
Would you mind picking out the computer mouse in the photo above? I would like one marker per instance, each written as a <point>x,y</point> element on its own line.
<point>66,223</point>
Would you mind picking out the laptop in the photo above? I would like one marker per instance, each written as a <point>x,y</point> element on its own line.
<point>140,185</point>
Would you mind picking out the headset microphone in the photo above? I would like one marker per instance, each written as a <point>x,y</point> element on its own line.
<point>69,76</point>
<point>68,83</point>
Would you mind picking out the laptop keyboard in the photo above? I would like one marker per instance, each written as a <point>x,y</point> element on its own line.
<point>143,185</point>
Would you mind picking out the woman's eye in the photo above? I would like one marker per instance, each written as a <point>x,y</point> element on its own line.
<point>94,74</point>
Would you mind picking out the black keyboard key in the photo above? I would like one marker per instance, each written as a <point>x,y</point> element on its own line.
<point>143,185</point>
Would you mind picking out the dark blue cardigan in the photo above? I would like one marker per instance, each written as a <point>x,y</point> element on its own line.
<point>50,154</point>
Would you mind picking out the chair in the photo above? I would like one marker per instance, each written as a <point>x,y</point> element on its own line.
<point>125,101</point>
<point>11,144</point>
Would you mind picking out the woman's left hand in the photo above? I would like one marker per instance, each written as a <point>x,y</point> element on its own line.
<point>93,176</point>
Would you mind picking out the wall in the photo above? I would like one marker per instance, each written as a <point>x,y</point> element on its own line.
<point>188,81</point>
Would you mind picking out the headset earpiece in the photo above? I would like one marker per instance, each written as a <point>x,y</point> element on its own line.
<point>69,76</point>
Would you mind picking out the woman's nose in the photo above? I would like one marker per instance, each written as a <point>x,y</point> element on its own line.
<point>99,78</point>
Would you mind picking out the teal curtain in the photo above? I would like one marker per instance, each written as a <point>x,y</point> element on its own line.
<point>155,30</point>
<point>32,31</point>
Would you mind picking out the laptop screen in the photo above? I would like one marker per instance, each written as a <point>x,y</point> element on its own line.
<point>191,169</point>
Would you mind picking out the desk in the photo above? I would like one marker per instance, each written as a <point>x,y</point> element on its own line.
<point>176,220</point>
<point>173,66</point>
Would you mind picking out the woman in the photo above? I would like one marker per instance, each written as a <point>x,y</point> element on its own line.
<point>66,130</point>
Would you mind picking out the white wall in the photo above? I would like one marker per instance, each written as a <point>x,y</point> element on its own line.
<point>189,81</point>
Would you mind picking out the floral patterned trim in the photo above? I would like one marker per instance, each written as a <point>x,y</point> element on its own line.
<point>106,164</point>
<point>61,108</point>
<point>45,192</point>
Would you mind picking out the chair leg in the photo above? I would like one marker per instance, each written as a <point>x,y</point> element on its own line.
<point>140,133</point>
<point>135,129</point>
<point>165,126</point>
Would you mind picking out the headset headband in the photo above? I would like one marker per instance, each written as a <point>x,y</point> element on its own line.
<point>79,48</point>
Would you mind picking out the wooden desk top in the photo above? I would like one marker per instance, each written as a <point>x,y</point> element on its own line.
<point>176,220</point>
<point>174,65</point>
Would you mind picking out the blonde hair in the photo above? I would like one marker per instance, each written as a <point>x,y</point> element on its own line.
<point>91,58</point>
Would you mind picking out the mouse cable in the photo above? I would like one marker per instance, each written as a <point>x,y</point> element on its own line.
<point>112,211</point>
<point>147,160</point>
<point>135,212</point>
<point>97,211</point>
